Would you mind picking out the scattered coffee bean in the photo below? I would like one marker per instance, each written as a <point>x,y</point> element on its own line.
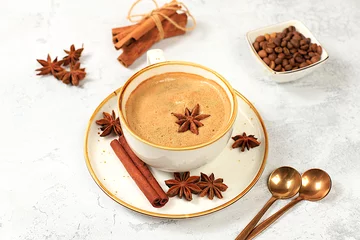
<point>287,50</point>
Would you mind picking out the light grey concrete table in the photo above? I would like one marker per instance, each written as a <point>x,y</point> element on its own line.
<point>46,191</point>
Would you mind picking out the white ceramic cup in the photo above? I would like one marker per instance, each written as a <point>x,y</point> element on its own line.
<point>174,159</point>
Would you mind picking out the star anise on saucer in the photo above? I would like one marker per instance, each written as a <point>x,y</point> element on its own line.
<point>190,120</point>
<point>73,55</point>
<point>245,141</point>
<point>109,123</point>
<point>73,76</point>
<point>49,66</point>
<point>211,186</point>
<point>183,185</point>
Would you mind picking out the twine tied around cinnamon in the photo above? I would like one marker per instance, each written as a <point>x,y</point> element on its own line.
<point>154,15</point>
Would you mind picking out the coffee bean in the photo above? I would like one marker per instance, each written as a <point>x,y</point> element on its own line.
<point>278,50</point>
<point>295,42</point>
<point>272,56</point>
<point>307,57</point>
<point>315,59</point>
<point>308,62</point>
<point>271,40</point>
<point>285,62</point>
<point>293,50</point>
<point>299,59</point>
<point>262,53</point>
<point>256,46</point>
<point>282,35</point>
<point>292,62</point>
<point>286,51</point>
<point>287,38</point>
<point>271,45</point>
<point>281,55</point>
<point>288,67</point>
<point>262,44</point>
<point>267,37</point>
<point>283,43</point>
<point>282,70</point>
<point>273,35</point>
<point>277,41</point>
<point>288,57</point>
<point>289,45</point>
<point>297,36</point>
<point>277,68</point>
<point>311,54</point>
<point>260,38</point>
<point>272,64</point>
<point>294,68</point>
<point>278,61</point>
<point>269,50</point>
<point>303,52</point>
<point>304,64</point>
<point>292,28</point>
<point>266,60</point>
<point>285,31</point>
<point>303,42</point>
<point>319,50</point>
<point>313,47</point>
<point>304,47</point>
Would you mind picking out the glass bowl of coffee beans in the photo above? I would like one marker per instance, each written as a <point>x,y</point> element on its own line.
<point>288,51</point>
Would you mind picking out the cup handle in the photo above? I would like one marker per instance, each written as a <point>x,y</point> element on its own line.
<point>155,56</point>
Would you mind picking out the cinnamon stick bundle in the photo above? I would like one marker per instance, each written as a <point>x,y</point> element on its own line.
<point>138,48</point>
<point>140,173</point>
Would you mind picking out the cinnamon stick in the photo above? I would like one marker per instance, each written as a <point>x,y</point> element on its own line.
<point>144,27</point>
<point>144,170</point>
<point>136,175</point>
<point>120,32</point>
<point>139,47</point>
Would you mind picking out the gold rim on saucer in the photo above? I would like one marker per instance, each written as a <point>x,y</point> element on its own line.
<point>231,121</point>
<point>172,216</point>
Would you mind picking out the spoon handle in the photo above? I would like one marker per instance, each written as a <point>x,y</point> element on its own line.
<point>255,220</point>
<point>266,223</point>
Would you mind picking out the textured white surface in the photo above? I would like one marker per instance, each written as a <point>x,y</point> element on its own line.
<point>46,191</point>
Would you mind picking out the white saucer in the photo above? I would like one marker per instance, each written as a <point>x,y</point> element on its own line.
<point>240,170</point>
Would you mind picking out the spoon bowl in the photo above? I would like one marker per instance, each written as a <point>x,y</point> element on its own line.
<point>284,182</point>
<point>316,184</point>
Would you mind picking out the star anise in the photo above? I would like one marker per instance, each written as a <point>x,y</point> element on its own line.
<point>109,123</point>
<point>183,185</point>
<point>211,186</point>
<point>73,55</point>
<point>190,120</point>
<point>49,66</point>
<point>73,76</point>
<point>244,141</point>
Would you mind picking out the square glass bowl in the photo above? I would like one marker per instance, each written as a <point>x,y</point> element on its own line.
<point>291,75</point>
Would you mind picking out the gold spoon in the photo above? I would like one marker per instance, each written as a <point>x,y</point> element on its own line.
<point>316,185</point>
<point>283,183</point>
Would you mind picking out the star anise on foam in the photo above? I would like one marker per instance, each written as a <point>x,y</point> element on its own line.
<point>73,76</point>
<point>109,123</point>
<point>244,141</point>
<point>211,186</point>
<point>49,66</point>
<point>73,55</point>
<point>183,185</point>
<point>190,120</point>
